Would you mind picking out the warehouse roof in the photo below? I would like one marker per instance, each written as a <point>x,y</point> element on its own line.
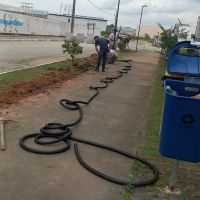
<point>80,17</point>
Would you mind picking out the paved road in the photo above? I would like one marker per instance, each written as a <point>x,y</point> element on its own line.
<point>22,54</point>
<point>143,45</point>
<point>116,117</point>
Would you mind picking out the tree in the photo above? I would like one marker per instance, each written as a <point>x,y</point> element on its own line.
<point>168,40</point>
<point>72,48</point>
<point>169,37</point>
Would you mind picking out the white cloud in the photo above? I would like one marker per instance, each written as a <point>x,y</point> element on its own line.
<point>165,12</point>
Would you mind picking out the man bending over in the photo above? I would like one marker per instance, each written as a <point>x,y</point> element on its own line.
<point>101,46</point>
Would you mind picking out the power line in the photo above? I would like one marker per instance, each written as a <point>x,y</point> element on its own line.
<point>99,8</point>
<point>27,6</point>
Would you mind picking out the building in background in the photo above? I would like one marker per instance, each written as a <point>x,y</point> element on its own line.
<point>83,24</point>
<point>123,30</point>
<point>110,28</point>
<point>151,30</point>
<point>128,31</point>
<point>28,21</point>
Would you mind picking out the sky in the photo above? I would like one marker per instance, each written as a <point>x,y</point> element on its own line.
<point>165,12</point>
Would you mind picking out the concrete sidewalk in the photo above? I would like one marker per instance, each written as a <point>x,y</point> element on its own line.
<point>116,117</point>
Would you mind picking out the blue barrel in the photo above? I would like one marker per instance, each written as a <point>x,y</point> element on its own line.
<point>180,127</point>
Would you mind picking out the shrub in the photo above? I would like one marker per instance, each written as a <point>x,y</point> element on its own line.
<point>72,48</point>
<point>168,40</point>
<point>105,34</point>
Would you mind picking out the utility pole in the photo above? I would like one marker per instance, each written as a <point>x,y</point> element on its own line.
<point>140,25</point>
<point>65,9</point>
<point>27,7</point>
<point>69,9</point>
<point>61,8</point>
<point>73,15</point>
<point>115,30</point>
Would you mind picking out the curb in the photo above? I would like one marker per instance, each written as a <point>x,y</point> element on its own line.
<point>14,70</point>
<point>45,40</point>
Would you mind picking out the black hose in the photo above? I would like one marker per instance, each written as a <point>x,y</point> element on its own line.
<point>151,181</point>
<point>53,133</point>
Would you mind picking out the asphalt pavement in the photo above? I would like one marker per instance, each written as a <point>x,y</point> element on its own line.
<point>23,54</point>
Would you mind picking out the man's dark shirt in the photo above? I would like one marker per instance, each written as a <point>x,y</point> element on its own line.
<point>103,44</point>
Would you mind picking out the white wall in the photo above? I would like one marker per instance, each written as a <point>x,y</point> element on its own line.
<point>24,24</point>
<point>11,22</point>
<point>81,24</point>
<point>151,30</point>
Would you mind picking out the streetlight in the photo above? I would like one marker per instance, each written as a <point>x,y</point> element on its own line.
<point>140,24</point>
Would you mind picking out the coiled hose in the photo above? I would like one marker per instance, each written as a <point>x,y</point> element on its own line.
<point>53,133</point>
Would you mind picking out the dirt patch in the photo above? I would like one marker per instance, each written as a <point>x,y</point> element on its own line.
<point>41,84</point>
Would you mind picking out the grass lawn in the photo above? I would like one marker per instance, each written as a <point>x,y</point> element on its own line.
<point>17,85</point>
<point>29,74</point>
<point>189,174</point>
<point>123,53</point>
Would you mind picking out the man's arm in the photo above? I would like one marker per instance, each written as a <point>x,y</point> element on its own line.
<point>96,47</point>
<point>96,43</point>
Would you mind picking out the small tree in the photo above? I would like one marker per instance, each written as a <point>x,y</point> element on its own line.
<point>168,39</point>
<point>72,48</point>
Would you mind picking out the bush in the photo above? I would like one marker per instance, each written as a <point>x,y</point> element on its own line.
<point>105,34</point>
<point>121,45</point>
<point>168,40</point>
<point>72,48</point>
<point>132,37</point>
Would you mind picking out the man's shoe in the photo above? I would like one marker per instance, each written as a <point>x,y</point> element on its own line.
<point>103,70</point>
